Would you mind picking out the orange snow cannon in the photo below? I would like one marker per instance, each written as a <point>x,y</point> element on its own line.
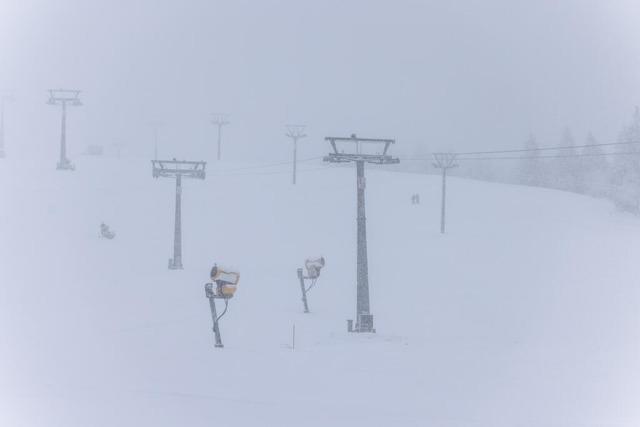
<point>226,282</point>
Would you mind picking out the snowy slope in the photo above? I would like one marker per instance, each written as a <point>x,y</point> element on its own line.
<point>524,314</point>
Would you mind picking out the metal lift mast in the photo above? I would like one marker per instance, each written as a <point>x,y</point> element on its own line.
<point>177,169</point>
<point>364,318</point>
<point>220,121</point>
<point>64,97</point>
<point>4,98</point>
<point>444,161</point>
<point>295,132</point>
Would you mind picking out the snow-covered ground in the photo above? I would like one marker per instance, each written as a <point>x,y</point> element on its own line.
<point>526,313</point>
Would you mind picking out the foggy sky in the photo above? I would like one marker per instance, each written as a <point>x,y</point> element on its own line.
<point>441,74</point>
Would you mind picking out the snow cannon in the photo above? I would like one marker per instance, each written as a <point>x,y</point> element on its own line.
<point>226,282</point>
<point>223,286</point>
<point>106,232</point>
<point>313,267</point>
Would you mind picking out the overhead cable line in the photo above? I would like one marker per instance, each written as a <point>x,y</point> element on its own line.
<point>271,173</point>
<point>565,147</point>
<point>559,156</point>
<point>268,165</point>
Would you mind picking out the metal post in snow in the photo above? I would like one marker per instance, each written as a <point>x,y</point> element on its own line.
<point>304,290</point>
<point>176,263</point>
<point>214,317</point>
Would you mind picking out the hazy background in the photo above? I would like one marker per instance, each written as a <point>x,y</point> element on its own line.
<point>461,74</point>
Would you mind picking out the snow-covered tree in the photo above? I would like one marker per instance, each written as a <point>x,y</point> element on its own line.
<point>593,169</point>
<point>530,171</point>
<point>625,174</point>
<point>564,171</point>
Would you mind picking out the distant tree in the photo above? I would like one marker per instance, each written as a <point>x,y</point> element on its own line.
<point>564,173</point>
<point>594,169</point>
<point>419,150</point>
<point>625,171</point>
<point>530,171</point>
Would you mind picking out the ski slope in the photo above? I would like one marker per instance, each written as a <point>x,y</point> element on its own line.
<point>526,313</point>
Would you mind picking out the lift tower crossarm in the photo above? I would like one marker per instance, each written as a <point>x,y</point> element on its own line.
<point>333,139</point>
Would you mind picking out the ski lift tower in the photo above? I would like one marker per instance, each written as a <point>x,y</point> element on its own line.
<point>64,97</point>
<point>219,120</point>
<point>444,161</point>
<point>361,151</point>
<point>295,132</point>
<point>177,169</point>
<point>4,98</point>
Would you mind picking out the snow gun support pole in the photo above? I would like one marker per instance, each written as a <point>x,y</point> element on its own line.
<point>303,288</point>
<point>444,161</point>
<point>364,319</point>
<point>178,169</point>
<point>222,286</point>
<point>214,317</point>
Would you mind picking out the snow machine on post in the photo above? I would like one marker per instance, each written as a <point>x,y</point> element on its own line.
<point>223,286</point>
<point>106,232</point>
<point>313,267</point>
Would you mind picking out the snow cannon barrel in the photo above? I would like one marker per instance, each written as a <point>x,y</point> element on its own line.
<point>226,282</point>
<point>313,266</point>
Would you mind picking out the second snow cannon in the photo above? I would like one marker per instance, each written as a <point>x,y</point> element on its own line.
<point>223,286</point>
<point>106,232</point>
<point>226,282</point>
<point>313,267</point>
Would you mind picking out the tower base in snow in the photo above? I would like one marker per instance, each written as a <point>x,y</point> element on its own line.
<point>175,264</point>
<point>65,164</point>
<point>364,324</point>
